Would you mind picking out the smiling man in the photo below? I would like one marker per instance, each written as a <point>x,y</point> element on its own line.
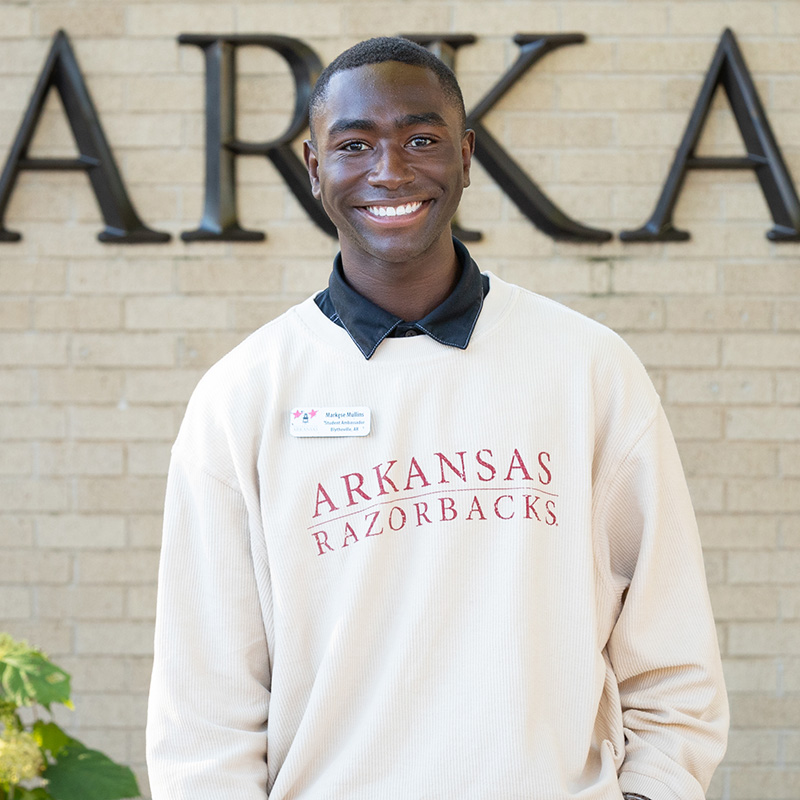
<point>426,534</point>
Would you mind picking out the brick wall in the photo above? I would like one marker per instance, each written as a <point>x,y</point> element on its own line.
<point>100,345</point>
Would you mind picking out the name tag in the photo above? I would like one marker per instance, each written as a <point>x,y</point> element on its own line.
<point>329,421</point>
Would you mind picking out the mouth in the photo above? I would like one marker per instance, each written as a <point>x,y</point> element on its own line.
<point>398,213</point>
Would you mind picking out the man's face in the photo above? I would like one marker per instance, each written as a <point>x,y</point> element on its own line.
<point>390,160</point>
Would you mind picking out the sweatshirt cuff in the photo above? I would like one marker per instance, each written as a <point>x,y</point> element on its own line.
<point>636,785</point>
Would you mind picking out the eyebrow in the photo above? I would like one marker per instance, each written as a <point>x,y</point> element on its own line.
<point>427,118</point>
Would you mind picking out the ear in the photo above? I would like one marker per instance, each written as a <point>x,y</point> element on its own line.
<point>467,150</point>
<point>312,165</point>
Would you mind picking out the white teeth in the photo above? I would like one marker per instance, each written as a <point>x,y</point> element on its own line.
<point>394,211</point>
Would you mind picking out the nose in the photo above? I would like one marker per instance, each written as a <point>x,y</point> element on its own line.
<point>390,168</point>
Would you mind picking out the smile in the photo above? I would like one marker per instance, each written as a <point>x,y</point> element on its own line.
<point>394,211</point>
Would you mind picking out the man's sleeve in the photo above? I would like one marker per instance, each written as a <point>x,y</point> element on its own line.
<point>663,648</point>
<point>209,696</point>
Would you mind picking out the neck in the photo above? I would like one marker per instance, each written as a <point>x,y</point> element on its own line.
<point>410,289</point>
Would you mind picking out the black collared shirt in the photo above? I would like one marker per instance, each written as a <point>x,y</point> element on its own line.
<point>450,323</point>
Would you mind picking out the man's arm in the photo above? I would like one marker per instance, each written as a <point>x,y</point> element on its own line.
<point>663,648</point>
<point>209,696</point>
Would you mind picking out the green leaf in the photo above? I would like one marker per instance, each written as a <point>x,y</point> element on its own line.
<point>83,774</point>
<point>50,737</point>
<point>21,793</point>
<point>28,678</point>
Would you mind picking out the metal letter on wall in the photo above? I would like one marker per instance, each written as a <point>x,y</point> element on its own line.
<point>220,220</point>
<point>61,70</point>
<point>527,196</point>
<point>728,69</point>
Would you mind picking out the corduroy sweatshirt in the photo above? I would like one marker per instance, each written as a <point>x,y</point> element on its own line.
<point>497,593</point>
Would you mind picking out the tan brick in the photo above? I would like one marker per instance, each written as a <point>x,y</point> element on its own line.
<point>112,710</point>
<point>745,202</point>
<point>126,424</point>
<point>167,313</point>
<point>719,386</point>
<point>693,423</point>
<point>714,562</point>
<point>54,637</point>
<point>144,530</point>
<point>592,57</point>
<point>790,532</point>
<point>129,56</point>
<point>80,531</point>
<point>35,567</point>
<point>15,602</point>
<point>761,278</point>
<point>96,674</point>
<point>148,459</point>
<point>161,386</point>
<point>765,424</point>
<point>16,386</point>
<point>152,276</point>
<point>118,568</point>
<point>737,531</point>
<point>603,167</point>
<point>556,131</point>
<point>112,638</point>
<point>709,19</point>
<point>14,314</point>
<point>670,55</point>
<point>15,531</point>
<point>615,19</point>
<point>80,386</point>
<point>790,603</point>
<point>34,495</point>
<point>787,387</point>
<point>32,349</point>
<point>89,20</point>
<point>776,495</point>
<point>15,458</point>
<point>787,315</point>
<point>165,93</point>
<point>791,745</point>
<point>120,494</point>
<point>70,458</point>
<point>35,422</point>
<point>248,315</point>
<point>763,567</point>
<point>80,602</point>
<point>603,93</point>
<point>762,349</point>
<point>162,165</point>
<point>744,603</point>
<point>364,20</point>
<point>622,313</point>
<point>716,313</point>
<point>708,494</point>
<point>675,349</point>
<point>303,21</point>
<point>773,55</point>
<point>729,458</point>
<point>791,674</point>
<point>776,783</point>
<point>789,460</point>
<point>243,276</point>
<point>548,277</point>
<point>141,602</point>
<point>138,670</point>
<point>750,674</point>
<point>757,710</point>
<point>83,313</point>
<point>23,55</point>
<point>204,349</point>
<point>124,349</point>
<point>15,22</point>
<point>171,19</point>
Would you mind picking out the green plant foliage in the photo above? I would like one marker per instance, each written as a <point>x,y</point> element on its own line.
<point>41,761</point>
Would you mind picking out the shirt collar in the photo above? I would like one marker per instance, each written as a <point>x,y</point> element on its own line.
<point>451,323</point>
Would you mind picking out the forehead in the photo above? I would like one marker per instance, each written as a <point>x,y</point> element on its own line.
<point>387,90</point>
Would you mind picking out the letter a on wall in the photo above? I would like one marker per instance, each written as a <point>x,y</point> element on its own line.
<point>728,69</point>
<point>61,71</point>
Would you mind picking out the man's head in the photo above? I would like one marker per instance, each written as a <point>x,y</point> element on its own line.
<point>378,51</point>
<point>389,155</point>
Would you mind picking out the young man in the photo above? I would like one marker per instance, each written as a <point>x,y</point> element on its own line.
<point>426,534</point>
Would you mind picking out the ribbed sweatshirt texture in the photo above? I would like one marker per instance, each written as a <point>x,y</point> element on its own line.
<point>498,593</point>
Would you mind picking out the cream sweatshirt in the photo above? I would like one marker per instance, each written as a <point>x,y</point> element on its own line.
<point>496,593</point>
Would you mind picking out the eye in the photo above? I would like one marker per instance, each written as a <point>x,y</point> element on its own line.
<point>353,147</point>
<point>421,141</point>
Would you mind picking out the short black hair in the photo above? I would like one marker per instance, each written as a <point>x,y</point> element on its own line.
<point>377,51</point>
